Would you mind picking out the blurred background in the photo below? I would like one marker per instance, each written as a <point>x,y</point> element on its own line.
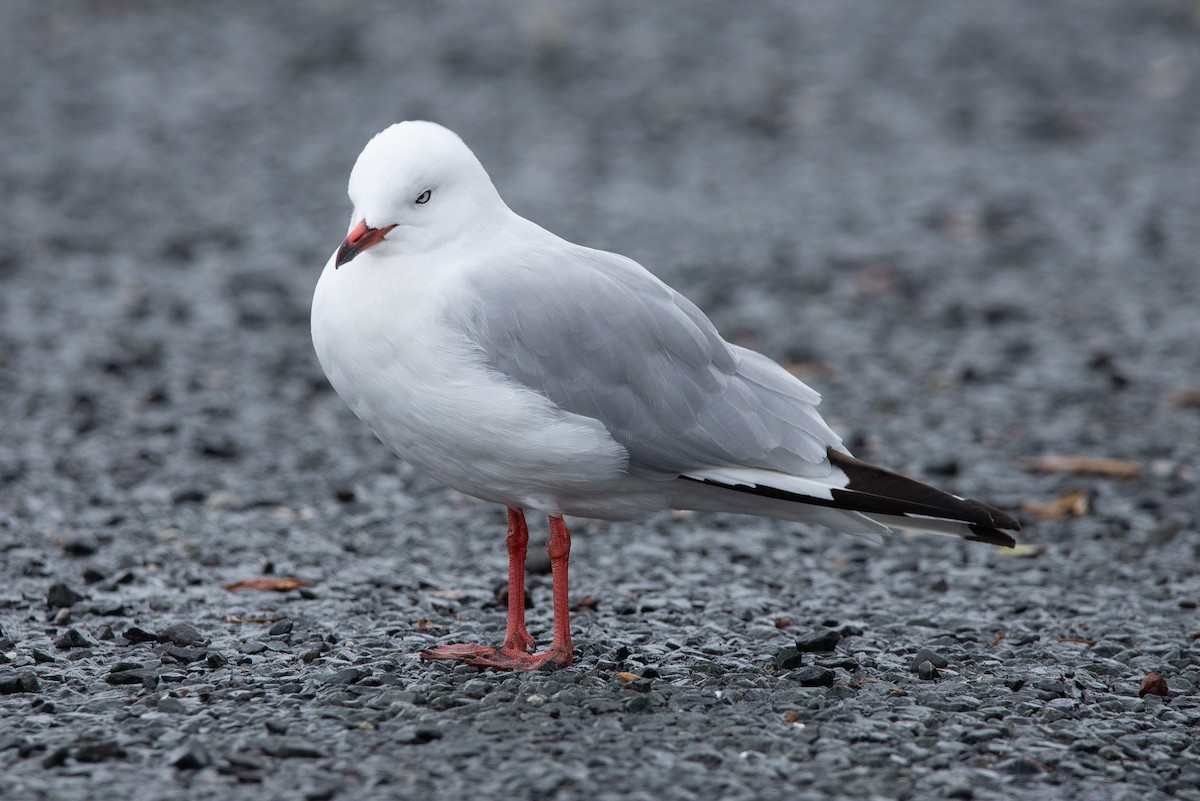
<point>973,227</point>
<point>943,215</point>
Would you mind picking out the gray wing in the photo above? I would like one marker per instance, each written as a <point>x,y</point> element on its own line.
<point>603,338</point>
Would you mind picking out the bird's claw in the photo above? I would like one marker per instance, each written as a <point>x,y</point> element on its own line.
<point>486,656</point>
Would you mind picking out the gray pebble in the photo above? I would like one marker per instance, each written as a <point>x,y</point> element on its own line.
<point>928,655</point>
<point>60,595</point>
<point>17,681</point>
<point>182,634</point>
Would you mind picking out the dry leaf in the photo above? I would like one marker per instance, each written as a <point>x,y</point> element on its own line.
<point>1184,398</point>
<point>1089,641</point>
<point>1087,465</point>
<point>267,584</point>
<point>791,717</point>
<point>782,622</point>
<point>449,595</point>
<point>627,676</point>
<point>586,602</point>
<point>1070,504</point>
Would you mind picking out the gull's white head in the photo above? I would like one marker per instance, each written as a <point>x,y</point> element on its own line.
<point>415,187</point>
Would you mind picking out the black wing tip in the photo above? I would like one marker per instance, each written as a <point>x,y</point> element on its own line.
<point>992,536</point>
<point>909,496</point>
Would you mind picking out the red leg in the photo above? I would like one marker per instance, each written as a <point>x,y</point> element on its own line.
<point>559,547</point>
<point>514,654</point>
<point>517,638</point>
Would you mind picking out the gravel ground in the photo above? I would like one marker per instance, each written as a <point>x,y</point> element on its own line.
<point>972,226</point>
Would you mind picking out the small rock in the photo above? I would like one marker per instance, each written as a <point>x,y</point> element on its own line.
<point>41,657</point>
<point>276,726</point>
<point>57,758</point>
<point>416,735</point>
<point>99,751</point>
<point>818,641</point>
<point>81,546</point>
<point>815,676</point>
<point>181,634</point>
<point>73,639</point>
<point>188,495</point>
<point>1048,690</point>
<point>189,756</point>
<point>216,660</point>
<point>186,655</point>
<point>135,634</point>
<point>323,791</point>
<point>928,655</point>
<point>1153,684</point>
<point>926,671</point>
<point>172,706</point>
<point>788,658</point>
<point>145,676</point>
<point>291,749</point>
<point>60,595</point>
<point>349,675</point>
<point>19,681</point>
<point>280,628</point>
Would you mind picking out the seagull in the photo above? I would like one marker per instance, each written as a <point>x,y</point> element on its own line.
<point>528,371</point>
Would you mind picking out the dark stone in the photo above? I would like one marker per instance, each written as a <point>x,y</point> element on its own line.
<point>99,751</point>
<point>135,634</point>
<point>639,703</point>
<point>60,595</point>
<point>57,758</point>
<point>276,726</point>
<point>80,547</point>
<point>788,658</point>
<point>416,735</point>
<point>930,656</point>
<point>280,628</point>
<point>1014,683</point>
<point>216,660</point>
<point>818,641</point>
<point>814,676</point>
<point>190,756</point>
<point>42,657</point>
<point>349,675</point>
<point>181,634</point>
<point>188,495</point>
<point>17,681</point>
<point>926,671</point>
<point>186,655</point>
<point>144,676</point>
<point>92,576</point>
<point>73,638</point>
<point>1049,690</point>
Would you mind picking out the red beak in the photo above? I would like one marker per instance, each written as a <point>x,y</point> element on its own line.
<point>358,240</point>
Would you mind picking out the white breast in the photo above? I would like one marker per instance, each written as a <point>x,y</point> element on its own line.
<point>421,386</point>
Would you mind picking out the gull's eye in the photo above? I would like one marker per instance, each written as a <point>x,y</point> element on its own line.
<point>424,197</point>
